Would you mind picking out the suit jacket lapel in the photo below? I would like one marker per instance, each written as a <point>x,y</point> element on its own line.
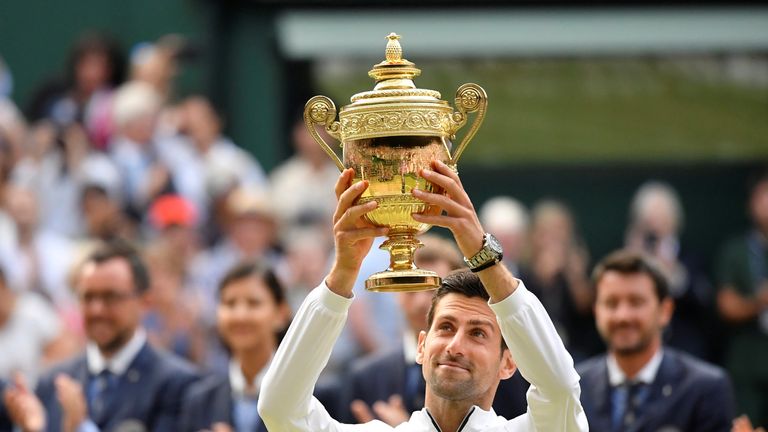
<point>601,397</point>
<point>662,391</point>
<point>222,405</point>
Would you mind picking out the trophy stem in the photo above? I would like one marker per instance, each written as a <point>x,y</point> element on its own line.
<point>402,274</point>
<point>401,247</point>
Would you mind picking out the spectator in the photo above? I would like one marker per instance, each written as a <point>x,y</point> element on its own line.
<point>557,274</point>
<point>507,219</point>
<point>640,385</point>
<point>302,186</point>
<point>40,260</point>
<point>742,300</point>
<point>103,217</point>
<point>307,260</point>
<point>120,381</point>
<point>656,221</point>
<point>173,319</point>
<point>209,163</point>
<point>249,235</point>
<point>95,67</point>
<point>59,164</point>
<point>135,151</point>
<point>251,311</point>
<point>30,333</point>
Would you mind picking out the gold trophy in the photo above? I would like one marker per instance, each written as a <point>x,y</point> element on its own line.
<point>388,135</point>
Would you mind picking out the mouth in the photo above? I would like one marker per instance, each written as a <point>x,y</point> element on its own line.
<point>452,366</point>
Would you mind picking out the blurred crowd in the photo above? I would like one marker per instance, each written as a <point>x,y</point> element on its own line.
<point>108,150</point>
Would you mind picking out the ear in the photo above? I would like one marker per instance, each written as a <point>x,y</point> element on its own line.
<point>420,347</point>
<point>508,366</point>
<point>667,308</point>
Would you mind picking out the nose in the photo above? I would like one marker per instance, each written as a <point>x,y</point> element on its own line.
<point>624,311</point>
<point>455,346</point>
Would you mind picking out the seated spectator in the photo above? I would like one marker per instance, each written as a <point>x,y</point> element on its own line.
<point>120,381</point>
<point>742,300</point>
<point>390,385</point>
<point>656,222</point>
<point>134,149</point>
<point>249,229</point>
<point>173,317</point>
<point>251,311</point>
<point>640,385</point>
<point>60,162</point>
<point>40,259</point>
<point>96,66</point>
<point>103,216</point>
<point>302,186</point>
<point>31,335</point>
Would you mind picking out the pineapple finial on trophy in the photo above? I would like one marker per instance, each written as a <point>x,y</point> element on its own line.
<point>394,51</point>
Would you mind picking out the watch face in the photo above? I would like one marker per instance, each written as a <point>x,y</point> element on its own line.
<point>494,245</point>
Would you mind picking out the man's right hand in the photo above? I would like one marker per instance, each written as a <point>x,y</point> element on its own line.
<point>353,236</point>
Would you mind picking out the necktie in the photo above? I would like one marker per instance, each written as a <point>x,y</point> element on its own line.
<point>628,402</point>
<point>101,391</point>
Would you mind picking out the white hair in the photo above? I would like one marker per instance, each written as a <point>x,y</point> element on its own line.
<point>504,214</point>
<point>134,100</point>
<point>648,196</point>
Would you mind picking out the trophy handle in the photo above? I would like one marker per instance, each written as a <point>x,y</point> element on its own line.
<point>469,98</point>
<point>321,110</point>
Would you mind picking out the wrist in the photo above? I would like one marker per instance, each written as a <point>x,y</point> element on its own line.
<point>341,280</point>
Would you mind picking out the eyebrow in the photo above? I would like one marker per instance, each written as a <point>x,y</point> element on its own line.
<point>472,322</point>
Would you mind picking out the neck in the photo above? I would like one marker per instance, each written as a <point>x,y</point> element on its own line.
<point>631,364</point>
<point>252,361</point>
<point>448,414</point>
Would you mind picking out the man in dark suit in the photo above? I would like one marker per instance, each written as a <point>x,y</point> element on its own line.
<point>639,385</point>
<point>121,382</point>
<point>390,385</point>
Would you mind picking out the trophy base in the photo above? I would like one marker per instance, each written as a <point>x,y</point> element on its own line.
<point>403,281</point>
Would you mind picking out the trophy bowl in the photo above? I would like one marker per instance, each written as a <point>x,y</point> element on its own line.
<point>388,135</point>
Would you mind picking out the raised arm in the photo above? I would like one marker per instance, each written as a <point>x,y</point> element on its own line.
<point>286,402</point>
<point>541,357</point>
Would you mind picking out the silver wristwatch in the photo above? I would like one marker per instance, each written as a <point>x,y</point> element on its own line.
<point>490,254</point>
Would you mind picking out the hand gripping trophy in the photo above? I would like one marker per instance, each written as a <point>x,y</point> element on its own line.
<point>388,135</point>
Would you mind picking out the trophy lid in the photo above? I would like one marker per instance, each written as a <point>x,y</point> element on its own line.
<point>395,107</point>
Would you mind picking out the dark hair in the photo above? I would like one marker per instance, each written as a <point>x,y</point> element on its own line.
<point>122,249</point>
<point>248,269</point>
<point>101,43</point>
<point>630,262</point>
<point>462,282</point>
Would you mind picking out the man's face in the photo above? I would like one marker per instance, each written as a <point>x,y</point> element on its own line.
<point>111,306</point>
<point>461,353</point>
<point>629,315</point>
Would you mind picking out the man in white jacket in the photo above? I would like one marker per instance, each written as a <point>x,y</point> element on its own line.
<point>463,354</point>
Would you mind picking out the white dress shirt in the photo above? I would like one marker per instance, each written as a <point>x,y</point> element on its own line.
<point>286,403</point>
<point>119,362</point>
<point>646,375</point>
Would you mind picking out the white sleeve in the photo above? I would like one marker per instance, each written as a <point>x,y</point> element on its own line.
<point>538,351</point>
<point>285,400</point>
